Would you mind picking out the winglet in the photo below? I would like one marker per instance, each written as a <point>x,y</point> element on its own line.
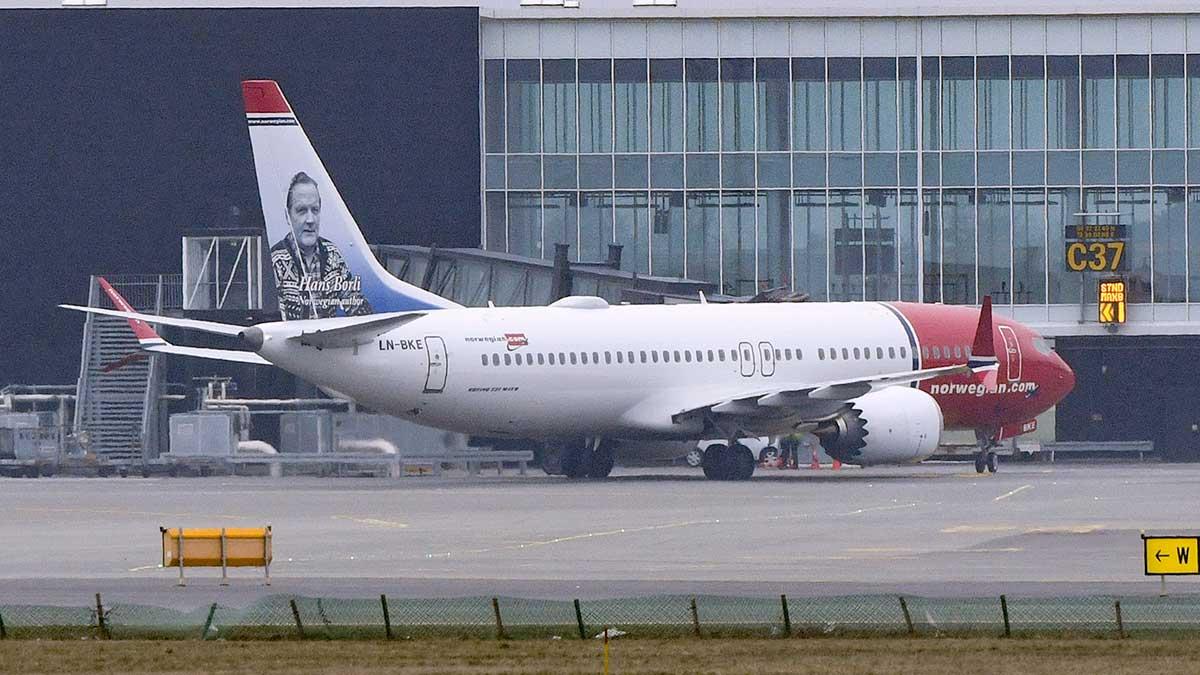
<point>142,330</point>
<point>983,351</point>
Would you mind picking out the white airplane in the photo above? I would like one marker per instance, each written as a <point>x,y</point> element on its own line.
<point>877,382</point>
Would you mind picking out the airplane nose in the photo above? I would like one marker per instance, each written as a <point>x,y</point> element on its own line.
<point>1066,376</point>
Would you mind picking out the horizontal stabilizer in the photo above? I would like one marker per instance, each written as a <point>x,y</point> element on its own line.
<point>211,354</point>
<point>194,324</point>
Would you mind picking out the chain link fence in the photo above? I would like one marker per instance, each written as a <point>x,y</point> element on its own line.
<point>291,617</point>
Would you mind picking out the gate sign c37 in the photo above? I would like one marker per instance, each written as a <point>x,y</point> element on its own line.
<point>1096,248</point>
<point>1170,555</point>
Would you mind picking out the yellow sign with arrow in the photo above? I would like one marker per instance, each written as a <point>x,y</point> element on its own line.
<point>1171,555</point>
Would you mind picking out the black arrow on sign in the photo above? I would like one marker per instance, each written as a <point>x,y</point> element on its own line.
<point>1160,555</point>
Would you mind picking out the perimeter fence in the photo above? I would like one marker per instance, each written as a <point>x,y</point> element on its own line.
<point>296,617</point>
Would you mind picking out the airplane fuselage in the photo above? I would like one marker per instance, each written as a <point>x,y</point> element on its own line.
<point>625,371</point>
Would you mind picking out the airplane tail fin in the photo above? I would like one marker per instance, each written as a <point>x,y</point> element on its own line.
<point>319,257</point>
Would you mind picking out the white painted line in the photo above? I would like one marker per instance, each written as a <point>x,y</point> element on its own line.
<point>1010,493</point>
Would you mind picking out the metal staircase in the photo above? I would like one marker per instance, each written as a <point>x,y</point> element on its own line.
<point>119,386</point>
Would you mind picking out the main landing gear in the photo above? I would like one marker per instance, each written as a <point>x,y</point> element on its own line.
<point>580,458</point>
<point>728,462</point>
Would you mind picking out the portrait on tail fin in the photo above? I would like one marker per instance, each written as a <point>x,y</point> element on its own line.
<point>311,275</point>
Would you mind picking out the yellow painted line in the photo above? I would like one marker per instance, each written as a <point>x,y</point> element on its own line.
<point>1010,493</point>
<point>374,522</point>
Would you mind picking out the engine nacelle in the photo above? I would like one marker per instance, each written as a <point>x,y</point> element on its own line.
<point>896,425</point>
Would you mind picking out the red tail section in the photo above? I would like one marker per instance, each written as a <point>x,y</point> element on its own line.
<point>141,329</point>
<point>264,97</point>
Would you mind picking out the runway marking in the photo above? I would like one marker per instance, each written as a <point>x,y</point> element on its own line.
<point>869,509</point>
<point>143,568</point>
<point>127,512</point>
<point>663,526</point>
<point>978,529</point>
<point>1010,493</point>
<point>375,522</point>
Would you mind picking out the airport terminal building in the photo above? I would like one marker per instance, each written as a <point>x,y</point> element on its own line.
<point>859,150</point>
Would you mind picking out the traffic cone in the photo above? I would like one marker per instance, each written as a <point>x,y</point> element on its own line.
<point>816,463</point>
<point>837,465</point>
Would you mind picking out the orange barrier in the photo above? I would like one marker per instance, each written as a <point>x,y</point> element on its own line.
<point>217,547</point>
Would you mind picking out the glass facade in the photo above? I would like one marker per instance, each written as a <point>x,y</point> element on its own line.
<point>935,178</point>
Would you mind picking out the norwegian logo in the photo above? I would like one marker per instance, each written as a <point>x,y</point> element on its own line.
<point>516,341</point>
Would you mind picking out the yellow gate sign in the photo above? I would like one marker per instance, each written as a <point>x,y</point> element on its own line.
<point>1170,555</point>
<point>1112,300</point>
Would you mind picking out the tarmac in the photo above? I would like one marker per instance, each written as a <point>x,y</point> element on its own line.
<point>933,529</point>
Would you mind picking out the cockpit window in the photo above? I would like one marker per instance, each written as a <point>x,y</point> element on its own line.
<point>1040,344</point>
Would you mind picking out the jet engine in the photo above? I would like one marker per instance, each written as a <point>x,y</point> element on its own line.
<point>896,425</point>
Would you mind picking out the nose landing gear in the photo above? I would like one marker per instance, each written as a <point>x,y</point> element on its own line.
<point>985,459</point>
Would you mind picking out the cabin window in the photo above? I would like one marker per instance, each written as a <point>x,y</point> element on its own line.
<point>957,351</point>
<point>867,353</point>
<point>778,354</point>
<point>583,358</point>
<point>733,355</point>
<point>607,357</point>
<point>596,357</point>
<point>485,361</point>
<point>620,357</point>
<point>925,351</point>
<point>891,352</point>
<point>937,353</point>
<point>832,354</point>
<point>799,354</point>
<point>508,359</point>
<point>574,358</point>
<point>654,355</point>
<point>541,359</point>
<point>687,356</point>
<point>495,359</point>
<point>631,356</point>
<point>711,356</point>
<point>845,354</point>
<point>699,356</point>
<point>643,357</point>
<point>879,352</point>
<point>904,352</point>
<point>857,354</point>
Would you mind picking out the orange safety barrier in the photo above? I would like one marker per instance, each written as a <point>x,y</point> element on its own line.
<point>217,547</point>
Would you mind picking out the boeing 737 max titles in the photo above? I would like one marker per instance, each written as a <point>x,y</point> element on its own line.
<point>876,382</point>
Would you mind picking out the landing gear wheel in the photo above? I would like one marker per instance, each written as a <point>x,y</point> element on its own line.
<point>768,454</point>
<point>552,456</point>
<point>740,463</point>
<point>714,462</point>
<point>991,462</point>
<point>980,463</point>
<point>600,461</point>
<point>575,460</point>
<point>695,457</point>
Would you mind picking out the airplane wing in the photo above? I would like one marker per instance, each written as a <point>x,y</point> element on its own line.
<point>815,401</point>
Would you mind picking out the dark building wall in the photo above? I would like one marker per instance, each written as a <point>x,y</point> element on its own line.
<point>1133,389</point>
<point>119,129</point>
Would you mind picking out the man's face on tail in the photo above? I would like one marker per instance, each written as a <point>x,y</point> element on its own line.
<point>305,214</point>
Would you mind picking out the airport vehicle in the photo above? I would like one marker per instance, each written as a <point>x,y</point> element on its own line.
<point>877,382</point>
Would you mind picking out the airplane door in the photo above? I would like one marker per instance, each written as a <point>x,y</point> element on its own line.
<point>1012,350</point>
<point>767,353</point>
<point>435,376</point>
<point>746,356</point>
